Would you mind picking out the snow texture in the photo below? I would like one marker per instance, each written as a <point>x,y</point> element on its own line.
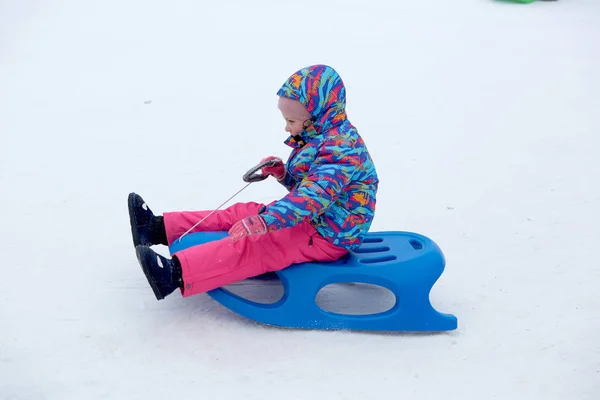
<point>481,116</point>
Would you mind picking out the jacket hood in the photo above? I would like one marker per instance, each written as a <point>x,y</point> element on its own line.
<point>321,90</point>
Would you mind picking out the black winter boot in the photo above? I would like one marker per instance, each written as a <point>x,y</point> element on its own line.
<point>146,228</point>
<point>163,274</point>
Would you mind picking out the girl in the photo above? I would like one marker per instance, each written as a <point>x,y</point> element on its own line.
<point>332,184</point>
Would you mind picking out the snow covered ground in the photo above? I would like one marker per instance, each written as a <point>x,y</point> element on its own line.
<point>481,116</point>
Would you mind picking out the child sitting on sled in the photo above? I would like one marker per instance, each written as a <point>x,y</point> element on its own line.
<point>332,184</point>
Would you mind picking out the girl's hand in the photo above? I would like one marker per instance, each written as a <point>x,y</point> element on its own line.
<point>278,170</point>
<point>252,225</point>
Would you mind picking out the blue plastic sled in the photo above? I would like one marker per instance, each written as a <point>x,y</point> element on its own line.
<point>406,263</point>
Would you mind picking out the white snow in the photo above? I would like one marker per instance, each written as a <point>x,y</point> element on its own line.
<point>481,116</point>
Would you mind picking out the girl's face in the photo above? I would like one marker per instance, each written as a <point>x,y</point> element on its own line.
<point>295,115</point>
<point>293,125</point>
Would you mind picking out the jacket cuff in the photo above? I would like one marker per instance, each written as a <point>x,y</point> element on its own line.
<point>272,222</point>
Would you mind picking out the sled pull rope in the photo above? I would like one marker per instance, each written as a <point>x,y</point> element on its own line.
<point>211,213</point>
<point>250,177</point>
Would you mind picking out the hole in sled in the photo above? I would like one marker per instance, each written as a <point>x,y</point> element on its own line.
<point>416,244</point>
<point>372,240</point>
<point>264,289</point>
<point>378,249</point>
<point>355,298</point>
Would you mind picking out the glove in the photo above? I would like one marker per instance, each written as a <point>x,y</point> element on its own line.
<point>252,225</point>
<point>278,171</point>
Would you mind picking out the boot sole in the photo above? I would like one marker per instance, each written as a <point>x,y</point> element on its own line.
<point>140,256</point>
<point>133,222</point>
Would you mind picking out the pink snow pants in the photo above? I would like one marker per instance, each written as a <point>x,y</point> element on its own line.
<point>211,265</point>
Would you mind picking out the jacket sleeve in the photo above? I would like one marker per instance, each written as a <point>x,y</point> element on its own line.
<point>287,181</point>
<point>329,174</point>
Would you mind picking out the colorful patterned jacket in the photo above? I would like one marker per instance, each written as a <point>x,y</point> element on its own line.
<point>331,178</point>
